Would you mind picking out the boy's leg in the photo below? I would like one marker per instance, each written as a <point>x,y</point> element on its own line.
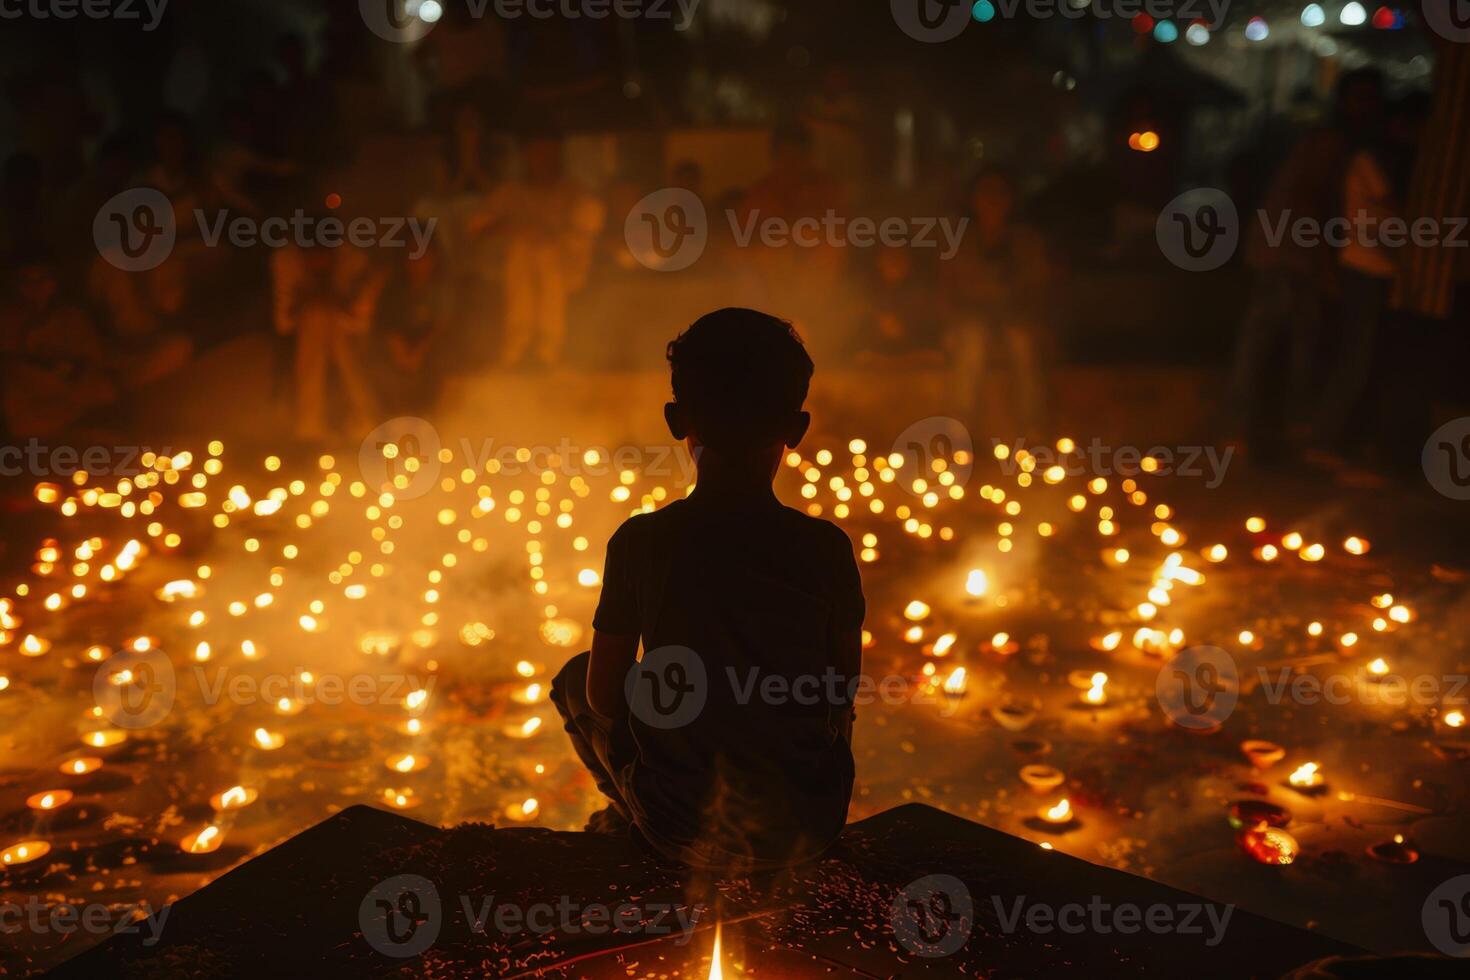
<point>590,734</point>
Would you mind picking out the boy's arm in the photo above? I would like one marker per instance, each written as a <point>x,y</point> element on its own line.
<point>607,669</point>
<point>615,631</point>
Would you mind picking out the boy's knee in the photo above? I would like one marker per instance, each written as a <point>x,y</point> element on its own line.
<point>571,679</point>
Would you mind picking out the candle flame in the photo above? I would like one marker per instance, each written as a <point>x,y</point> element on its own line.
<point>1306,774</point>
<point>1062,811</point>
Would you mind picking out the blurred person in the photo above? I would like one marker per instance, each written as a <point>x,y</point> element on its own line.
<point>176,170</point>
<point>1374,187</point>
<point>1294,287</point>
<point>325,299</point>
<point>236,168</point>
<point>549,227</point>
<point>144,318</point>
<point>747,586</point>
<point>898,329</point>
<point>993,296</point>
<point>412,318</point>
<point>796,188</point>
<point>54,365</point>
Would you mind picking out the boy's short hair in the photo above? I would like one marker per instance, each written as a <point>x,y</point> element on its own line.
<point>739,375</point>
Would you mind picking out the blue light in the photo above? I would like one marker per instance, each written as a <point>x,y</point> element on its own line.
<point>983,11</point>
<point>1313,15</point>
<point>1165,32</point>
<point>1197,34</point>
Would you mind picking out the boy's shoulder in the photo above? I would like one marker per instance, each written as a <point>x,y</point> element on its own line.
<point>677,517</point>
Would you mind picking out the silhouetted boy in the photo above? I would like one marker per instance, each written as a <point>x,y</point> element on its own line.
<point>728,743</point>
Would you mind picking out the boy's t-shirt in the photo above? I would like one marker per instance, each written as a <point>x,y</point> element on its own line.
<point>770,602</point>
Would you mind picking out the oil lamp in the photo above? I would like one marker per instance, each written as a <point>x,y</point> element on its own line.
<point>1042,778</point>
<point>1059,814</point>
<point>1307,778</point>
<point>24,852</point>
<point>234,798</point>
<point>51,799</point>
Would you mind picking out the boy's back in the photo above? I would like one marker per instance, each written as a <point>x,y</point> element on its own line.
<point>765,606</point>
<point>728,743</point>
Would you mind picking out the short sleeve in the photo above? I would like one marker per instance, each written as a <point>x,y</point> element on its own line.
<point>617,607</point>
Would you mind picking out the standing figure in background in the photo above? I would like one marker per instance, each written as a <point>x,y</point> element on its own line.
<point>993,295</point>
<point>1374,188</point>
<point>326,298</point>
<point>1294,287</point>
<point>549,225</point>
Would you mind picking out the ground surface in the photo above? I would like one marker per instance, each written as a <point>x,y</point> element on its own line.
<point>455,609</point>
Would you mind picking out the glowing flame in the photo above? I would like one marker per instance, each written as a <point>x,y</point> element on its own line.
<point>955,682</point>
<point>1095,693</point>
<point>977,583</point>
<point>1060,813</point>
<point>1306,774</point>
<point>716,969</point>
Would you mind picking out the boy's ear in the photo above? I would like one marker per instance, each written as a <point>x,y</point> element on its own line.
<point>674,416</point>
<point>800,422</point>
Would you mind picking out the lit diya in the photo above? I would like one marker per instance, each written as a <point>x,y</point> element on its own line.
<point>1042,778</point>
<point>234,798</point>
<point>1059,815</point>
<point>1261,753</point>
<point>24,852</point>
<point>1395,851</point>
<point>268,740</point>
<point>401,799</point>
<point>954,684</point>
<point>51,799</point>
<point>1307,778</point>
<point>203,841</point>
<point>407,762</point>
<point>82,766</point>
<point>523,811</point>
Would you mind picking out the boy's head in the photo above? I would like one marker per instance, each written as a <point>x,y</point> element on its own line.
<point>740,378</point>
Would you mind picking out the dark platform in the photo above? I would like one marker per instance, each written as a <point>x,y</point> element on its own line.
<point>301,910</point>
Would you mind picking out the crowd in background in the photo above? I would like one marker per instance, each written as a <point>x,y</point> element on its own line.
<point>523,255</point>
